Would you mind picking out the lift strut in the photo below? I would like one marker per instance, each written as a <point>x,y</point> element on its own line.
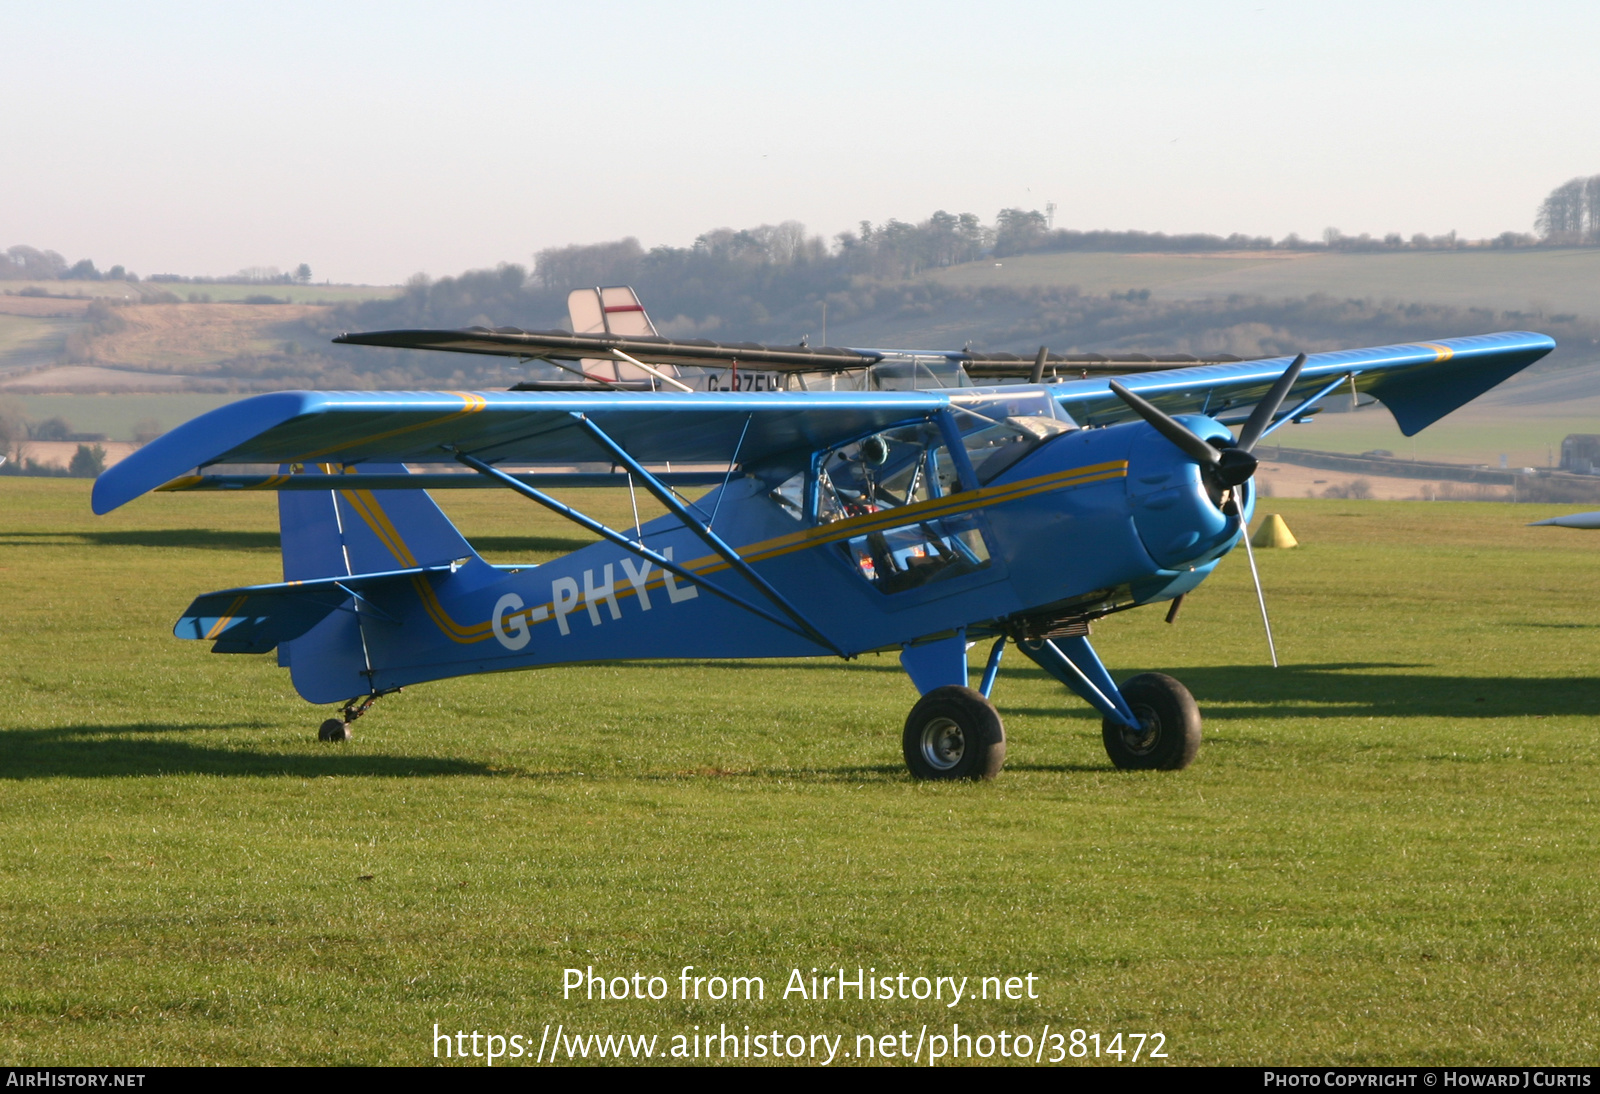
<point>585,521</point>
<point>732,557</point>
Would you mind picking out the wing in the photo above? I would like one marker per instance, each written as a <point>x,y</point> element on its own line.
<point>594,344</point>
<point>1419,382</point>
<point>506,426</point>
<point>566,346</point>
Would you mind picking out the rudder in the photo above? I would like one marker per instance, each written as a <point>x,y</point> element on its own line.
<point>349,530</point>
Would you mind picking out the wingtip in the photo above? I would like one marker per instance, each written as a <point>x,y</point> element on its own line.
<point>112,491</point>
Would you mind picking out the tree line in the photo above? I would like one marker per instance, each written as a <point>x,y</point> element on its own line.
<point>1571,213</point>
<point>23,263</point>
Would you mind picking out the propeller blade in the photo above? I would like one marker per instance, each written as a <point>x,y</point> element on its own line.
<point>1268,407</point>
<point>1169,427</point>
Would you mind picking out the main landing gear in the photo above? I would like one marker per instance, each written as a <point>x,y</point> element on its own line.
<point>1149,723</point>
<point>1168,736</point>
<point>338,729</point>
<point>954,732</point>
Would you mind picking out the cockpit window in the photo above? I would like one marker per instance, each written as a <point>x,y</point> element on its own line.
<point>999,429</point>
<point>909,467</point>
<point>912,463</point>
<point>896,467</point>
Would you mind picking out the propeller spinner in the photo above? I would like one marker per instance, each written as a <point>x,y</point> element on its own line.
<point>1226,468</point>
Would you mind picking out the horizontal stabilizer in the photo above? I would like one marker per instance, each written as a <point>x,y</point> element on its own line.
<point>256,618</point>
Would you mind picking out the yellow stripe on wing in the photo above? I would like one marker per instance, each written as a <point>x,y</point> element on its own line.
<point>471,404</point>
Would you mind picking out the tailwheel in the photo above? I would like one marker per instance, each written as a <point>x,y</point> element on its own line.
<point>338,729</point>
<point>954,733</point>
<point>1169,733</point>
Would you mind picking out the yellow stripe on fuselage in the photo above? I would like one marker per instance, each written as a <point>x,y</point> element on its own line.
<point>371,512</point>
<point>950,505</point>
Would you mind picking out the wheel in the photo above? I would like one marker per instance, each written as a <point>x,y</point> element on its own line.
<point>334,729</point>
<point>954,733</point>
<point>1171,720</point>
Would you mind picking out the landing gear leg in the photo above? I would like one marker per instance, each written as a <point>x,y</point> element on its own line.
<point>338,729</point>
<point>1151,722</point>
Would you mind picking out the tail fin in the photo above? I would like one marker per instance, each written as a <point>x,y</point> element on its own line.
<point>347,530</point>
<point>613,309</point>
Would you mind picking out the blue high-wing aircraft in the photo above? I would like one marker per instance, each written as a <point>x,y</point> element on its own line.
<point>845,522</point>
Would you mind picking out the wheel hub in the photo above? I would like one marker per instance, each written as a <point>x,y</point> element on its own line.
<point>1143,740</point>
<point>943,744</point>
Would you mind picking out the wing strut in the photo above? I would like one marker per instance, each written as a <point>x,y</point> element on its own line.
<point>732,557</point>
<point>653,371</point>
<point>583,520</point>
<point>1307,403</point>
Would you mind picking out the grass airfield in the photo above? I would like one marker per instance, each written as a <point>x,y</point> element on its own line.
<point>1384,854</point>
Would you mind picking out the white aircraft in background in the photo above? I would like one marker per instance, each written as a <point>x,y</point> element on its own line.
<point>616,310</point>
<point>613,346</point>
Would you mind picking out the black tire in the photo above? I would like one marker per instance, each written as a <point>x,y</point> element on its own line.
<point>1172,726</point>
<point>334,729</point>
<point>954,733</point>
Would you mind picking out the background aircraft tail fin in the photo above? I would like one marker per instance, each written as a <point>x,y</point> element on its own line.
<point>612,309</point>
<point>349,530</point>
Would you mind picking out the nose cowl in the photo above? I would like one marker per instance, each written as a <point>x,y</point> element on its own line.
<point>1173,512</point>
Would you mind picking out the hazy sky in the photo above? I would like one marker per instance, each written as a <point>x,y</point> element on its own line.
<point>377,140</point>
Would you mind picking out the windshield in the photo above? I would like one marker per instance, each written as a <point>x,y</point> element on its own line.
<point>999,428</point>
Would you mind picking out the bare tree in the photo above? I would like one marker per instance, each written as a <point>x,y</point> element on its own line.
<point>1571,212</point>
<point>593,264</point>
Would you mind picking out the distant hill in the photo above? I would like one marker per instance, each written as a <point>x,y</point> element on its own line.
<point>1550,281</point>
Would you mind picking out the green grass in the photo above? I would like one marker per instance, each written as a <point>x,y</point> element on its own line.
<point>1547,281</point>
<point>116,415</point>
<point>221,292</point>
<point>1098,272</point>
<point>1385,853</point>
<point>224,292</point>
<point>22,333</point>
<point>1529,436</point>
<point>1539,281</point>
